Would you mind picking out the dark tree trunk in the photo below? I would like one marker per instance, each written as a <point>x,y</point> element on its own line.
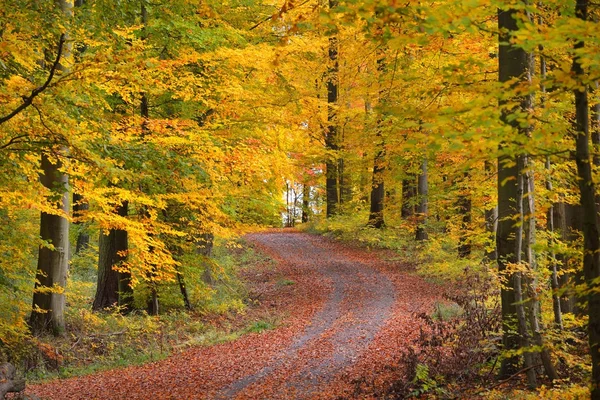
<point>591,230</point>
<point>409,193</point>
<point>332,171</point>
<point>513,63</point>
<point>464,209</point>
<point>377,197</point>
<point>422,207</point>
<point>80,206</point>
<point>305,203</point>
<point>183,290</point>
<point>567,222</point>
<point>107,289</point>
<point>204,247</point>
<point>112,252</point>
<point>377,190</point>
<point>122,246</point>
<point>491,220</point>
<point>553,264</point>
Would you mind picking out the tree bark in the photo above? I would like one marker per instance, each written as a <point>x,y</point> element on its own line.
<point>464,209</point>
<point>524,339</point>
<point>513,62</point>
<point>332,171</point>
<point>491,221</point>
<point>556,306</point>
<point>409,192</point>
<point>122,246</point>
<point>113,286</point>
<point>79,208</point>
<point>377,197</point>
<point>204,248</point>
<point>107,289</point>
<point>53,263</point>
<point>422,206</point>
<point>305,203</point>
<point>591,229</point>
<point>533,303</point>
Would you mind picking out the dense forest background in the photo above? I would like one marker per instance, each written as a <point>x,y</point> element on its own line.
<point>139,139</point>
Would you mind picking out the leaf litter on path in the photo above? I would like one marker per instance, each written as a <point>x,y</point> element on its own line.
<point>349,315</point>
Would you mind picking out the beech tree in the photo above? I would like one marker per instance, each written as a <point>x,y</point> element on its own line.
<point>53,260</point>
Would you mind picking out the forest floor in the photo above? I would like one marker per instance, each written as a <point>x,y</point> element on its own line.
<point>347,318</point>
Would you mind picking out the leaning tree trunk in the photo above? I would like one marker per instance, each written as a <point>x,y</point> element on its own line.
<point>591,228</point>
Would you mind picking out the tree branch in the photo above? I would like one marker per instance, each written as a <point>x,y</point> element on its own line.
<point>283,10</point>
<point>27,101</point>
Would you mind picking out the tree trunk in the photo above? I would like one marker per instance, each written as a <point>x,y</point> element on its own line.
<point>53,263</point>
<point>422,206</point>
<point>531,282</point>
<point>305,203</point>
<point>409,192</point>
<point>79,208</point>
<point>513,62</point>
<point>591,230</point>
<point>204,248</point>
<point>345,180</point>
<point>48,306</point>
<point>377,188</point>
<point>107,289</point>
<point>113,286</point>
<point>556,307</point>
<point>524,340</point>
<point>568,224</point>
<point>464,209</point>
<point>491,221</point>
<point>183,290</point>
<point>331,138</point>
<point>122,246</point>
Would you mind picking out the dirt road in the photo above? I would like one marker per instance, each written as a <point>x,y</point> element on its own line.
<point>347,316</point>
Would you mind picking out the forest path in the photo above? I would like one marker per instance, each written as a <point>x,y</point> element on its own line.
<point>347,316</point>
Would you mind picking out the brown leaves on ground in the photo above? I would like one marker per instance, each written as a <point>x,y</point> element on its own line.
<point>348,317</point>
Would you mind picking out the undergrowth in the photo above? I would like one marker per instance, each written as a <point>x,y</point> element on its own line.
<point>458,351</point>
<point>98,341</point>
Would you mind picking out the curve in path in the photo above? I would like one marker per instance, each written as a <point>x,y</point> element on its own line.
<point>335,310</point>
<point>358,305</point>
